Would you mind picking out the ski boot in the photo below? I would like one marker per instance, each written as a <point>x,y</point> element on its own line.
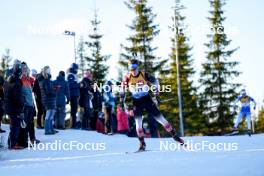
<point>142,146</point>
<point>234,129</point>
<point>249,133</point>
<point>176,137</point>
<point>35,141</point>
<point>17,147</point>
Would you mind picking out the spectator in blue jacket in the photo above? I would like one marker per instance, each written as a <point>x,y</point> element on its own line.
<point>28,109</point>
<point>48,94</point>
<point>74,88</point>
<point>63,98</point>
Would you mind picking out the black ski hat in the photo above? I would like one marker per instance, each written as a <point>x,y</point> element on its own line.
<point>62,73</point>
<point>17,68</point>
<point>74,66</point>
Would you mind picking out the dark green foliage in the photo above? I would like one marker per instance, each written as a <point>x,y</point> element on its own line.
<point>144,30</point>
<point>96,61</point>
<point>5,60</point>
<point>259,124</point>
<point>218,72</point>
<point>192,116</point>
<point>81,57</point>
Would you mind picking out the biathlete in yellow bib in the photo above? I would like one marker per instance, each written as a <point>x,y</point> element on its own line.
<point>138,83</point>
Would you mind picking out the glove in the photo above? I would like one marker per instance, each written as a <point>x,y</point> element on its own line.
<point>23,124</point>
<point>68,101</point>
<point>131,113</point>
<point>21,116</point>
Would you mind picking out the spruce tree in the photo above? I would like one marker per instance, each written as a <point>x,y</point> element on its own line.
<point>259,124</point>
<point>218,73</point>
<point>5,60</point>
<point>97,61</point>
<point>121,69</point>
<point>81,57</point>
<point>192,118</point>
<point>144,30</point>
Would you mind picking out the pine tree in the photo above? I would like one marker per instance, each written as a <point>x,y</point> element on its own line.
<point>97,61</point>
<point>5,60</point>
<point>122,69</point>
<point>83,65</point>
<point>260,121</point>
<point>144,31</point>
<point>218,72</point>
<point>191,114</point>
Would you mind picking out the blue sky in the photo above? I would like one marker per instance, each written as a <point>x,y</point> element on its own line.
<point>33,29</point>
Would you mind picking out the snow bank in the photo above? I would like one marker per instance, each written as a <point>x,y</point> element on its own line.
<point>107,155</point>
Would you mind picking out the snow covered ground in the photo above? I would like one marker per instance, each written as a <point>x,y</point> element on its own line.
<point>107,155</point>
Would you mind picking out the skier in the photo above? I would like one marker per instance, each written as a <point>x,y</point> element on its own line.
<point>245,101</point>
<point>137,82</point>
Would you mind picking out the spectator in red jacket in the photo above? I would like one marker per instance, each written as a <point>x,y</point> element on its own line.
<point>122,121</point>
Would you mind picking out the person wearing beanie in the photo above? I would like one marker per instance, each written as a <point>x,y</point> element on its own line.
<point>63,98</point>
<point>34,73</point>
<point>28,110</point>
<point>86,92</point>
<point>48,94</point>
<point>14,105</point>
<point>74,88</point>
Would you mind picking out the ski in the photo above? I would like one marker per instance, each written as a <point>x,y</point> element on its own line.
<point>234,133</point>
<point>137,151</point>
